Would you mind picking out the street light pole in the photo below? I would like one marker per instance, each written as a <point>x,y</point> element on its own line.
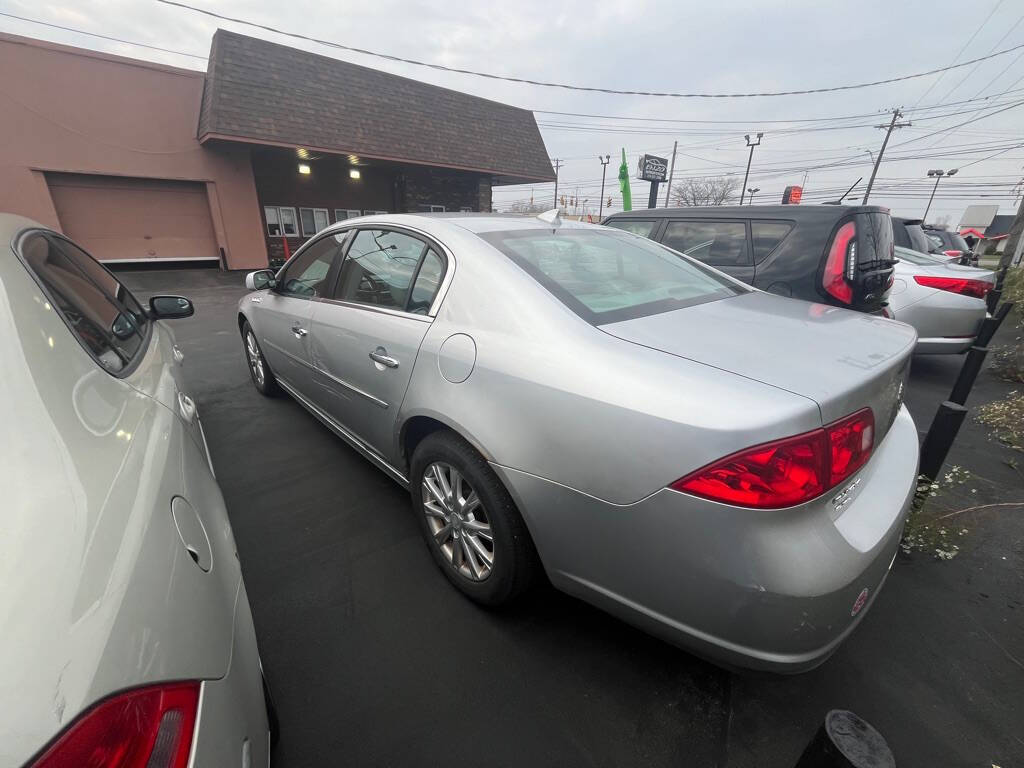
<point>938,177</point>
<point>604,169</point>
<point>752,190</point>
<point>749,158</point>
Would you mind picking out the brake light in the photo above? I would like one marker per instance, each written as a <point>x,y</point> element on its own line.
<point>144,728</point>
<point>952,254</point>
<point>961,285</point>
<point>841,264</point>
<point>790,471</point>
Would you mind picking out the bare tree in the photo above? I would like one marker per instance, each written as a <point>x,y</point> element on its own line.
<point>710,190</point>
<point>520,206</point>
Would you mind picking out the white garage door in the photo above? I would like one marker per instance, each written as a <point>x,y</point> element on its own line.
<point>122,219</point>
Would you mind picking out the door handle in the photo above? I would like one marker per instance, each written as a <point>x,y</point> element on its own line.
<point>187,407</point>
<point>299,331</point>
<point>380,355</point>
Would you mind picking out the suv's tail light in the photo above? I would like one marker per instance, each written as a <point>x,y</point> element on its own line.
<point>790,471</point>
<point>961,285</point>
<point>841,264</point>
<point>145,728</point>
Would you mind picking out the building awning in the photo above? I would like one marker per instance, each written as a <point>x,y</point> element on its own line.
<point>265,93</point>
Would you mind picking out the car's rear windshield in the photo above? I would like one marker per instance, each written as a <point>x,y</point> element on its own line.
<point>918,239</point>
<point>606,276</point>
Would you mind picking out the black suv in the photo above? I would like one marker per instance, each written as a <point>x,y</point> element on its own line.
<point>840,255</point>
<point>951,244</point>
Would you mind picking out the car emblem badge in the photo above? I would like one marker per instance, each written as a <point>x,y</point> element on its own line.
<point>859,602</point>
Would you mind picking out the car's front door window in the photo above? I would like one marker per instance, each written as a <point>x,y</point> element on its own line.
<point>307,275</point>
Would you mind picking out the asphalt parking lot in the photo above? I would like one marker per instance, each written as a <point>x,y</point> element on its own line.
<point>375,660</point>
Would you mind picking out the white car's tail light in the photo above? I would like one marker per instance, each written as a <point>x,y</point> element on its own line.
<point>143,728</point>
<point>790,471</point>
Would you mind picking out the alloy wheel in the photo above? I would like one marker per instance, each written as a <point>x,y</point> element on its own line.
<point>252,351</point>
<point>458,521</point>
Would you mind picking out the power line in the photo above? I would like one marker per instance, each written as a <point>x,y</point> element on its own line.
<point>102,37</point>
<point>565,86</point>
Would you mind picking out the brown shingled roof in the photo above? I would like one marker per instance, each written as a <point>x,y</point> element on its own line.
<point>269,93</point>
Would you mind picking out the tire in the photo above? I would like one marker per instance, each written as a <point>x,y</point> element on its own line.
<point>514,563</point>
<point>259,371</point>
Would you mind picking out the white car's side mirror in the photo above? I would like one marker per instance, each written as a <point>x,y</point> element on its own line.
<point>257,281</point>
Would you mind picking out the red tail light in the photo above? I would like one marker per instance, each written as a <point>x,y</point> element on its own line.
<point>145,728</point>
<point>952,254</point>
<point>963,286</point>
<point>841,265</point>
<point>787,472</point>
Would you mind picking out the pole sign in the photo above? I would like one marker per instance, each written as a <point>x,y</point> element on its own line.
<point>652,168</point>
<point>792,195</point>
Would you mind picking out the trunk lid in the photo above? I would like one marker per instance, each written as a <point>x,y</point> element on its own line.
<point>842,360</point>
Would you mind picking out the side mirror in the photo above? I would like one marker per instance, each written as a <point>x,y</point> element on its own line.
<point>257,281</point>
<point>170,307</point>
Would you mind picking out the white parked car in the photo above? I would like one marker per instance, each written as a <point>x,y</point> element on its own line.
<point>127,636</point>
<point>944,301</point>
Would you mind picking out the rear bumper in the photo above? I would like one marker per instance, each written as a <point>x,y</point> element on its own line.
<point>773,590</point>
<point>943,346</point>
<point>232,726</point>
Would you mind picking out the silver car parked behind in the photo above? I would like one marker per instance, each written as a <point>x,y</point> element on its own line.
<point>945,302</point>
<point>127,636</point>
<point>723,467</point>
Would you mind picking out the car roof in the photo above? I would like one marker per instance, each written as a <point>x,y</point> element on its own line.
<point>750,211</point>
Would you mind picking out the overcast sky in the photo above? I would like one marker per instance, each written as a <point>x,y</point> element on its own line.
<point>721,46</point>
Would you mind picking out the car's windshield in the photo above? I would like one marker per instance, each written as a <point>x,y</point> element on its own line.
<point>916,257</point>
<point>607,276</point>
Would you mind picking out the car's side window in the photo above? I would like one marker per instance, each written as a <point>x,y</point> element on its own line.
<point>307,275</point>
<point>105,317</point>
<point>766,236</point>
<point>718,243</point>
<point>643,227</point>
<point>379,268</point>
<point>428,280</point>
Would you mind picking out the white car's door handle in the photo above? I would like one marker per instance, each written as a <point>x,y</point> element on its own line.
<point>380,355</point>
<point>187,406</point>
<point>299,331</point>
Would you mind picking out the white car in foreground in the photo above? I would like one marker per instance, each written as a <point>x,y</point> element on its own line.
<point>127,637</point>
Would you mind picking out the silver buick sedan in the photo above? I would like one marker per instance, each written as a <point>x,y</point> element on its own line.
<point>127,636</point>
<point>725,468</point>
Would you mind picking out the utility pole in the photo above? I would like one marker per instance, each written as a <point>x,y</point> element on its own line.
<point>896,115</point>
<point>604,168</point>
<point>558,164</point>
<point>750,144</point>
<point>671,172</point>
<point>938,177</point>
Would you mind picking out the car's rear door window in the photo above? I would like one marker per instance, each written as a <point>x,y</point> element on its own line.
<point>379,268</point>
<point>766,235</point>
<point>101,313</point>
<point>718,243</point>
<point>642,227</point>
<point>605,276</point>
<point>428,280</point>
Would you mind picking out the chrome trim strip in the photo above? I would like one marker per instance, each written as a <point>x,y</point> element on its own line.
<point>206,448</point>
<point>375,308</point>
<point>345,435</point>
<point>375,400</point>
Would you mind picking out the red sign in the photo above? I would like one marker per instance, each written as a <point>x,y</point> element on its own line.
<point>792,195</point>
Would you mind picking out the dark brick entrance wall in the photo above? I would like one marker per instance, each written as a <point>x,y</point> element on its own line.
<point>383,186</point>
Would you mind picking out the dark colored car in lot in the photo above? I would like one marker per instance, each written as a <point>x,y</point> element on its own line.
<point>950,244</point>
<point>839,255</point>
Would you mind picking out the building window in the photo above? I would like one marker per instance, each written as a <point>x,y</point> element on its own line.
<point>431,209</point>
<point>372,213</point>
<point>313,220</point>
<point>340,214</point>
<point>281,221</point>
<point>465,209</point>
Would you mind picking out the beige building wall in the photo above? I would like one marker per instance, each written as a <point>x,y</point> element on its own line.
<point>68,110</point>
